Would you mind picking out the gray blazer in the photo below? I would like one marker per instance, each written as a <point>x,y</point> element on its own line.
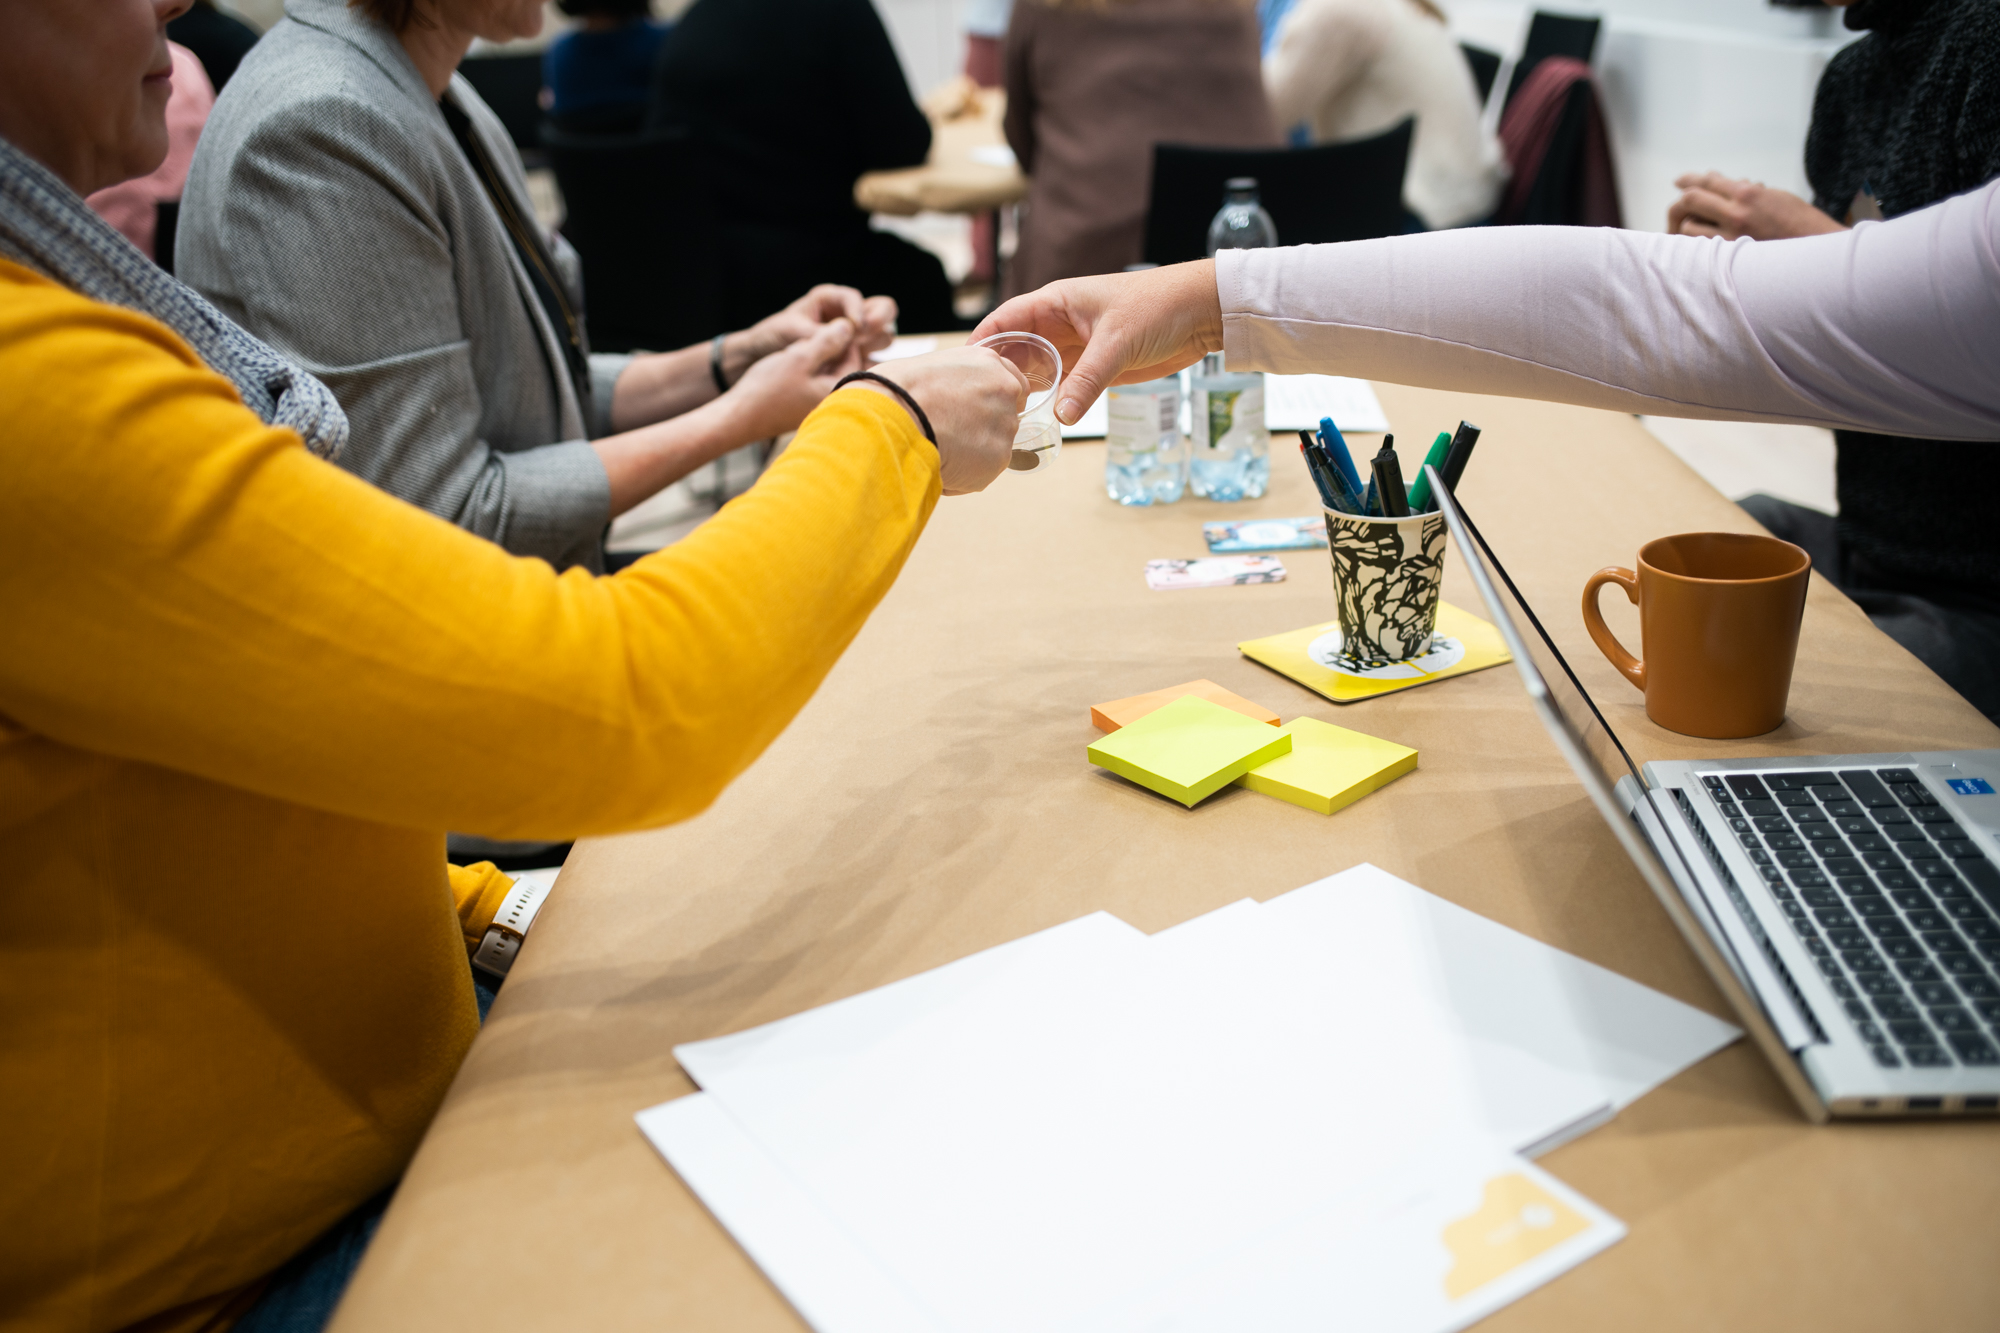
<point>331,212</point>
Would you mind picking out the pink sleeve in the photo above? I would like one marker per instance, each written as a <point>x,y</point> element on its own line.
<point>1889,327</point>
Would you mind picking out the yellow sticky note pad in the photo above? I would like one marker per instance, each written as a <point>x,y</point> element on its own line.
<point>1329,767</point>
<point>1189,749</point>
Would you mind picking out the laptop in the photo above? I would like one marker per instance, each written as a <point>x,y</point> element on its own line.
<point>1848,906</point>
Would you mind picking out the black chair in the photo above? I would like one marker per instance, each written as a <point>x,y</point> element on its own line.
<point>1554,199</point>
<point>166,226</point>
<point>1330,192</point>
<point>1485,68</point>
<point>512,86</point>
<point>1553,35</point>
<point>650,278</point>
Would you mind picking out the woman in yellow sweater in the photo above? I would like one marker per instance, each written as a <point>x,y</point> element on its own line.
<point>243,694</point>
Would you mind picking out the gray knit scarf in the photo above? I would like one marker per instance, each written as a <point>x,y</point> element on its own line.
<point>47,227</point>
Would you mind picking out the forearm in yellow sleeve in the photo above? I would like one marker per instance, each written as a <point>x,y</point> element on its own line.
<point>188,587</point>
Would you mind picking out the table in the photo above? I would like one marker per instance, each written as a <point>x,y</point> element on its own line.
<point>934,799</point>
<point>970,169</point>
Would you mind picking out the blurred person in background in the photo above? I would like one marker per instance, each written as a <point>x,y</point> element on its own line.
<point>598,75</point>
<point>793,100</point>
<point>356,204</point>
<point>1092,86</point>
<point>145,208</point>
<point>1350,69</point>
<point>1904,117</point>
<point>219,40</point>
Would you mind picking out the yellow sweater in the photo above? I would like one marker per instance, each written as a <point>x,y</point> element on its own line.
<point>242,695</point>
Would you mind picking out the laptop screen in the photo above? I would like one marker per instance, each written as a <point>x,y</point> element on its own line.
<point>1542,666</point>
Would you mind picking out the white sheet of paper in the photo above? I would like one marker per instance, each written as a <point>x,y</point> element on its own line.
<point>1291,402</point>
<point>1509,992</point>
<point>824,1036</point>
<point>1058,1142</point>
<point>1444,1242</point>
<point>1436,1247</point>
<point>834,1284</point>
<point>1297,402</point>
<point>1169,1134</point>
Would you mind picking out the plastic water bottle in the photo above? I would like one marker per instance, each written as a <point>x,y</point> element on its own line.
<point>1242,224</point>
<point>1232,450</point>
<point>1145,458</point>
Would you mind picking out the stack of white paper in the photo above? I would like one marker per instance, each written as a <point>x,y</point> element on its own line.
<point>1308,1109</point>
<point>1291,402</point>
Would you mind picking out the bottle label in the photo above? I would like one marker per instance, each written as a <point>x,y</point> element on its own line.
<point>1141,420</point>
<point>1227,420</point>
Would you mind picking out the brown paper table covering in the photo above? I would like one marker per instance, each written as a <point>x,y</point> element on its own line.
<point>934,800</point>
<point>963,118</point>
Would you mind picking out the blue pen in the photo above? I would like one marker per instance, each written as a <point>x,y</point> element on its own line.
<point>1329,434</point>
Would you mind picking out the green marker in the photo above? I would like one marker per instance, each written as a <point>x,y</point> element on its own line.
<point>1420,494</point>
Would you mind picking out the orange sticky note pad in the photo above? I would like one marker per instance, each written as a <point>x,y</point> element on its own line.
<point>1123,712</point>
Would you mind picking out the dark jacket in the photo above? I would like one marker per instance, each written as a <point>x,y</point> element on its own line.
<point>1911,112</point>
<point>793,99</point>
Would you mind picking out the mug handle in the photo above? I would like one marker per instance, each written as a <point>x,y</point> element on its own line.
<point>1600,633</point>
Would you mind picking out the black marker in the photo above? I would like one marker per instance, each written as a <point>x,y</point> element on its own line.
<point>1461,451</point>
<point>1388,470</point>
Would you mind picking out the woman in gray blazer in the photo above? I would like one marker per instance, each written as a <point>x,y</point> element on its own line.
<point>356,204</point>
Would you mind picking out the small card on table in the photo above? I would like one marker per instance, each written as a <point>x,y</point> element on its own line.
<point>1215,572</point>
<point>1266,534</point>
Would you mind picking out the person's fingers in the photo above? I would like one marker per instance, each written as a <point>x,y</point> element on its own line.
<point>1101,363</point>
<point>1019,376</point>
<point>848,304</point>
<point>878,322</point>
<point>1042,312</point>
<point>1723,213</point>
<point>828,344</point>
<point>1696,227</point>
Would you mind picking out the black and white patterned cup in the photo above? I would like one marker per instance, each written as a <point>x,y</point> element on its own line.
<point>1386,575</point>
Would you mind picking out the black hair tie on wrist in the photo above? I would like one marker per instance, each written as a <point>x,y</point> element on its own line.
<point>923,422</point>
<point>715,364</point>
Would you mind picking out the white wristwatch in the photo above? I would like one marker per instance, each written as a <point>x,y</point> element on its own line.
<point>510,925</point>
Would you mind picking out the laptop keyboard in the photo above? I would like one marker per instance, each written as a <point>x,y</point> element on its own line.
<point>1889,896</point>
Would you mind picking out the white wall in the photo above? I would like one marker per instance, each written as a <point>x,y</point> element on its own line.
<point>929,36</point>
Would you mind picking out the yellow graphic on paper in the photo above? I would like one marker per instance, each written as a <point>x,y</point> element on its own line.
<point>1463,643</point>
<point>1516,1221</point>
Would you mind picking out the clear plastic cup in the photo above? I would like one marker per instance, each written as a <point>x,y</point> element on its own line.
<point>1038,439</point>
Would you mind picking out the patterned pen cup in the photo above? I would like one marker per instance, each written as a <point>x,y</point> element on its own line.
<point>1386,574</point>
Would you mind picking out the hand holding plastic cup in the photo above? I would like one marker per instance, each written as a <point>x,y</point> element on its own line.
<point>1039,437</point>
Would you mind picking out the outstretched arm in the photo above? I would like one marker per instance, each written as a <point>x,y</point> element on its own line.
<point>1887,327</point>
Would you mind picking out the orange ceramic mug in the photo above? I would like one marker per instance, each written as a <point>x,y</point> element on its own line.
<point>1719,623</point>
